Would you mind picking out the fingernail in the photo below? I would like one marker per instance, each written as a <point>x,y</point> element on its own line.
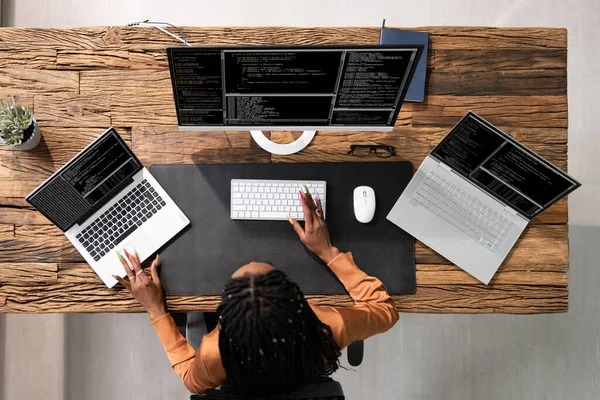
<point>289,219</point>
<point>114,276</point>
<point>301,194</point>
<point>119,254</point>
<point>156,259</point>
<point>306,189</point>
<point>317,196</point>
<point>126,253</point>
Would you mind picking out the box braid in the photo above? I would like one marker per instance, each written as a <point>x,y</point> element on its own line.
<point>270,339</point>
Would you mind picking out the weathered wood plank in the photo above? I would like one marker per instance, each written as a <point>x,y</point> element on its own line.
<point>23,171</point>
<point>521,111</point>
<point>90,297</point>
<point>135,83</point>
<point>38,243</point>
<point>72,38</point>
<point>434,277</point>
<point>72,110</point>
<point>21,216</point>
<point>541,82</point>
<point>20,81</point>
<point>484,60</point>
<point>540,248</point>
<point>24,274</point>
<point>15,210</point>
<point>32,58</point>
<point>83,59</point>
<point>143,37</point>
<point>144,109</point>
<point>513,299</point>
<point>168,145</point>
<point>149,59</point>
<point>7,232</point>
<point>477,37</point>
<point>442,37</point>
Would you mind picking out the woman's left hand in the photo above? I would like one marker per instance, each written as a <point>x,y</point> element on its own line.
<point>147,290</point>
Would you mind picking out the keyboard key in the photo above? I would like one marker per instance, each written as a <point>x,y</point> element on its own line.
<point>273,215</point>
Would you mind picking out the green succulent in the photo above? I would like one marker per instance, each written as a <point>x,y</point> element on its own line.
<point>14,120</point>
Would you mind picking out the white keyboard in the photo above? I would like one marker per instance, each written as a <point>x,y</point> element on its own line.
<point>272,200</point>
<point>463,211</point>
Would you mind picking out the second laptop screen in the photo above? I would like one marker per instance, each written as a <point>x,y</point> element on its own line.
<point>501,167</point>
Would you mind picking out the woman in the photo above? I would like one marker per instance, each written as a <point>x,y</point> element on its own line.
<point>269,338</point>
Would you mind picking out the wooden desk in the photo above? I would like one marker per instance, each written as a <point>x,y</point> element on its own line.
<point>81,81</point>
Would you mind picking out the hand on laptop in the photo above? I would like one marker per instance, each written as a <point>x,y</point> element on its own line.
<point>315,235</point>
<point>147,290</point>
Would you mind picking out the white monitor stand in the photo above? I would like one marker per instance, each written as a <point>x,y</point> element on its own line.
<point>283,149</point>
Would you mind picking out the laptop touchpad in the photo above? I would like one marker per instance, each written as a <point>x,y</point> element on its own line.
<point>140,244</point>
<point>444,238</point>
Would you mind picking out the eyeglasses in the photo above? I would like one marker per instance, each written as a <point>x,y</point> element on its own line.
<point>381,150</point>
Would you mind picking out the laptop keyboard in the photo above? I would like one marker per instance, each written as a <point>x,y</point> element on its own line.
<point>463,211</point>
<point>121,220</point>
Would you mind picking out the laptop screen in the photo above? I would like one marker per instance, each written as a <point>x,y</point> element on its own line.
<point>86,182</point>
<point>498,164</point>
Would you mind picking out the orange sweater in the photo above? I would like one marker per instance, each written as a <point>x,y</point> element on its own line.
<point>374,312</point>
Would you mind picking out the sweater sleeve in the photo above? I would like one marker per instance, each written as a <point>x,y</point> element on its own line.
<point>374,310</point>
<point>188,364</point>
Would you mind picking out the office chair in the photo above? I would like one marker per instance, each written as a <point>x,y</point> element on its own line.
<point>195,325</point>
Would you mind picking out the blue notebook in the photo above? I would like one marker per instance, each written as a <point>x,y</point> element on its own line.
<point>416,89</point>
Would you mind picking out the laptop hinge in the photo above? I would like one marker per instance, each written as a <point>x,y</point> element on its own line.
<point>444,166</point>
<point>510,210</point>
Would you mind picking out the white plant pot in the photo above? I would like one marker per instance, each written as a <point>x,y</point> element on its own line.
<point>33,140</point>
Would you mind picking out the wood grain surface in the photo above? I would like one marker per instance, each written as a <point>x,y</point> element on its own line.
<point>81,81</point>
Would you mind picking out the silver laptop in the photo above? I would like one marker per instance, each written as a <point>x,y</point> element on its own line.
<point>474,195</point>
<point>105,200</point>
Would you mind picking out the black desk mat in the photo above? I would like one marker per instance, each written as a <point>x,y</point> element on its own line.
<point>201,259</point>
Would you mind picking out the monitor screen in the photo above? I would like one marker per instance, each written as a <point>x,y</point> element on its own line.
<point>86,182</point>
<point>290,88</point>
<point>502,167</point>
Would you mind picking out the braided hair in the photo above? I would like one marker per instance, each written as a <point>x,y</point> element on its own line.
<point>270,339</point>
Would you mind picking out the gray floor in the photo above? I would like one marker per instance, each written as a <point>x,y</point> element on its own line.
<point>424,356</point>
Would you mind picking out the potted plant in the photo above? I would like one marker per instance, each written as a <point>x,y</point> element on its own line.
<point>18,128</point>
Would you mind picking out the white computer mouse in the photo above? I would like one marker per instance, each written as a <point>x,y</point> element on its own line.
<point>364,203</point>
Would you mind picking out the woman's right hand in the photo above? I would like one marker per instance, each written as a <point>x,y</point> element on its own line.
<point>315,235</point>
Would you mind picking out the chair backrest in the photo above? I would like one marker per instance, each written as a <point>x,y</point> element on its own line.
<point>328,390</point>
